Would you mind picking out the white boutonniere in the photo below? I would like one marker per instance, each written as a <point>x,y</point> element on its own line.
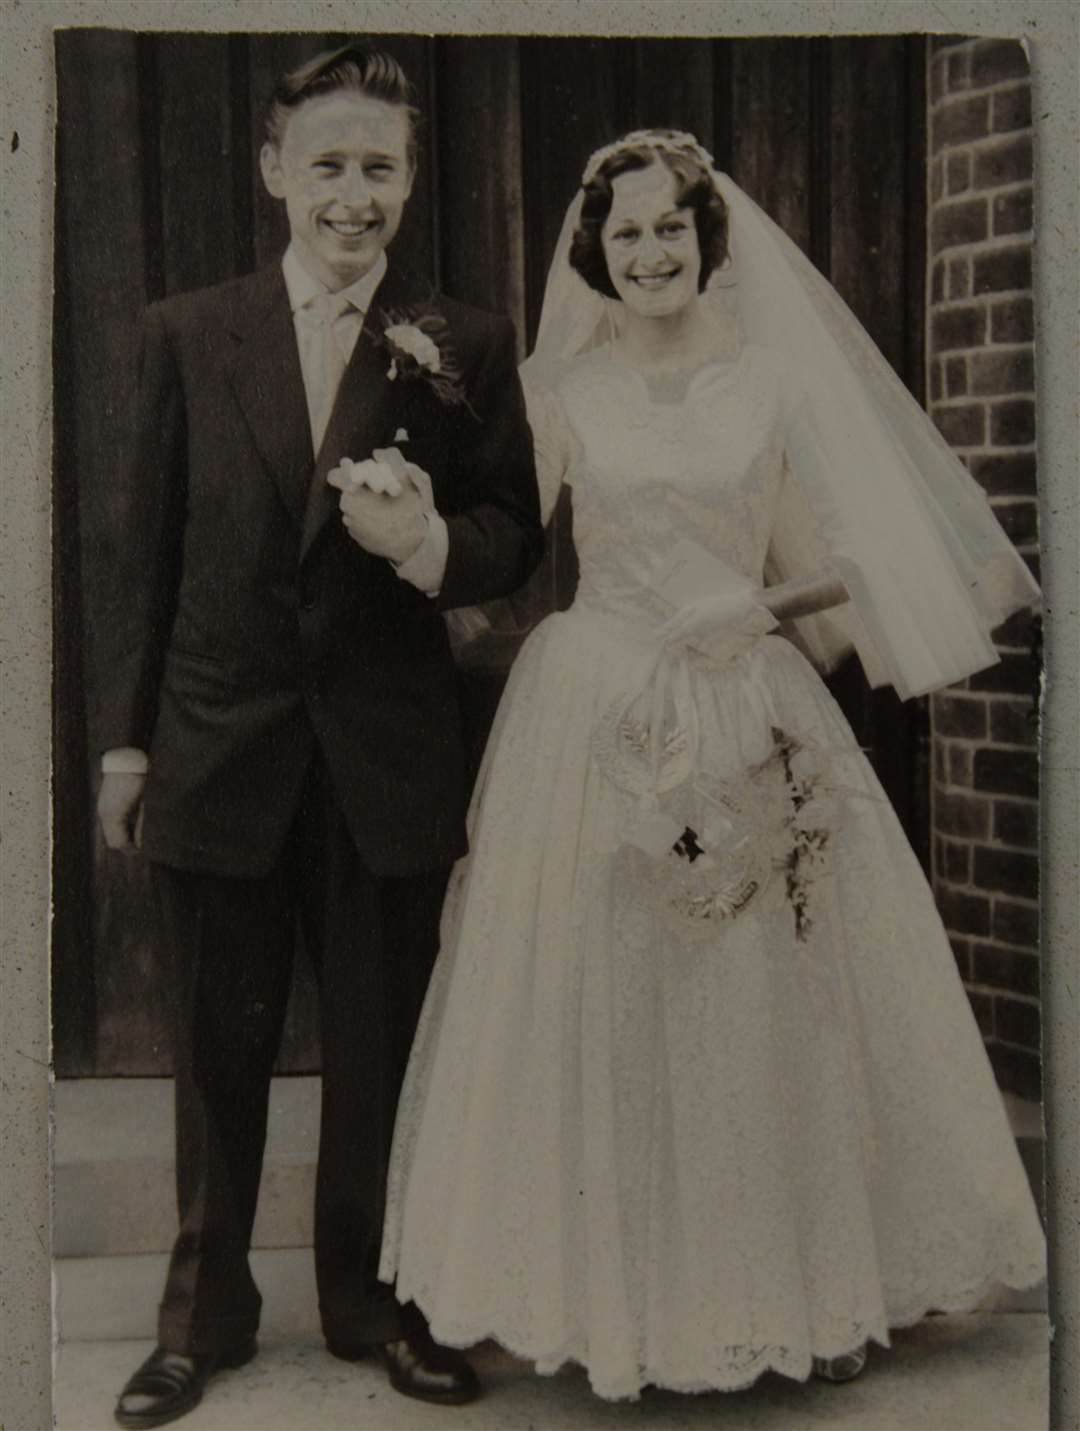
<point>408,345</point>
<point>420,349</point>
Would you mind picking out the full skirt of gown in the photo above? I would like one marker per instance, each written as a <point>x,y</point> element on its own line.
<point>685,1117</point>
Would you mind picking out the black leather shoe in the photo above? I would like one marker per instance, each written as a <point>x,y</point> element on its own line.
<point>418,1367</point>
<point>169,1385</point>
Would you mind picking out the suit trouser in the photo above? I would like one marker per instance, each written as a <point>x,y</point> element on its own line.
<point>372,943</point>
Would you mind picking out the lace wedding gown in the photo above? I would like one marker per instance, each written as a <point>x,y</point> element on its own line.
<point>689,1116</point>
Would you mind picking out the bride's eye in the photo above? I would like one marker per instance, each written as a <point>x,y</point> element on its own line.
<point>625,235</point>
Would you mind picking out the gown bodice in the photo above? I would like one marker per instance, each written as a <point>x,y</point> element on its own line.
<point>697,456</point>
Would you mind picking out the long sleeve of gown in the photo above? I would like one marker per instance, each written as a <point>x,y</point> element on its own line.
<point>490,635</point>
<point>797,551</point>
<point>551,445</point>
<point>929,570</point>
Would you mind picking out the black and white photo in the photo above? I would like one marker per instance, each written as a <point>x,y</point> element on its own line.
<point>546,698</point>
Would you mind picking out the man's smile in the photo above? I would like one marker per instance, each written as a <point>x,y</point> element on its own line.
<point>346,229</point>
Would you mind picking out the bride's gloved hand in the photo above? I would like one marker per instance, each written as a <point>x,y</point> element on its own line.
<point>723,626</point>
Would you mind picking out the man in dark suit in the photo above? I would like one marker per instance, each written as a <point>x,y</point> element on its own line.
<point>283,731</point>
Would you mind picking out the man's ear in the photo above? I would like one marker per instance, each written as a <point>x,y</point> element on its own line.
<point>270,164</point>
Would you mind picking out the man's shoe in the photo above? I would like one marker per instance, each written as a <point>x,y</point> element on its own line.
<point>169,1385</point>
<point>418,1367</point>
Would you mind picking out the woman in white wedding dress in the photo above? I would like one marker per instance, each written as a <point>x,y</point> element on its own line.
<point>697,1092</point>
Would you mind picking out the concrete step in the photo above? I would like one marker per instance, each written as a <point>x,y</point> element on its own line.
<point>114,1192</point>
<point>113,1159</point>
<point>974,1373</point>
<point>116,1298</point>
<point>115,1208</point>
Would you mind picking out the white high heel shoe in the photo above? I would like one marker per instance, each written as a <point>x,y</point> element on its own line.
<point>845,1367</point>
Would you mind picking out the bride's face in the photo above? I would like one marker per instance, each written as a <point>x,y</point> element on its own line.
<point>650,244</point>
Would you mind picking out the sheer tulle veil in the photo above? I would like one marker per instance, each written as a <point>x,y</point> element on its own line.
<point>901,520</point>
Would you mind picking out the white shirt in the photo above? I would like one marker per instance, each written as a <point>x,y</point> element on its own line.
<point>302,287</point>
<point>427,565</point>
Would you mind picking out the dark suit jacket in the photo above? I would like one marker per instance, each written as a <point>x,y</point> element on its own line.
<point>249,629</point>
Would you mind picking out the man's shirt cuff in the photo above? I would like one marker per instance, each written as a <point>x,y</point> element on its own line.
<point>426,567</point>
<point>125,760</point>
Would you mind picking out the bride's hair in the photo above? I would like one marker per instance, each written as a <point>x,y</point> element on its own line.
<point>694,190</point>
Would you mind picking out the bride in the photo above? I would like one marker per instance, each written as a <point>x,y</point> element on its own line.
<point>697,1093</point>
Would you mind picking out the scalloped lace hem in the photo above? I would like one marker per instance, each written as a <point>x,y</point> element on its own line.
<point>741,1373</point>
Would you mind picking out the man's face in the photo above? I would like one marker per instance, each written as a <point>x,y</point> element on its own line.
<point>342,168</point>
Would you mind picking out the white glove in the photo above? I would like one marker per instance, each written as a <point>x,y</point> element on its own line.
<point>385,502</point>
<point>723,626</point>
<point>379,477</point>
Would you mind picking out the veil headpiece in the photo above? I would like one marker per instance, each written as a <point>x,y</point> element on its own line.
<point>670,141</point>
<point>875,490</point>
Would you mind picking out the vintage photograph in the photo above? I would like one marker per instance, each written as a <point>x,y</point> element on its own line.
<point>547,663</point>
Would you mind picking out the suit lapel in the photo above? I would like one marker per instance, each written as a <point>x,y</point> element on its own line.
<point>269,385</point>
<point>360,420</point>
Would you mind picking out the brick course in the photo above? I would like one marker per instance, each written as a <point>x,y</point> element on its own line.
<point>1016,823</point>
<point>1012,424</point>
<point>981,369</point>
<point>1012,108</point>
<point>957,328</point>
<point>1020,520</point>
<point>1005,476</point>
<point>967,221</point>
<point>1011,212</point>
<point>1006,162</point>
<point>1003,269</point>
<point>1012,321</point>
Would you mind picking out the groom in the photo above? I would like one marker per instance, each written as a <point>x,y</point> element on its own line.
<point>282,720</point>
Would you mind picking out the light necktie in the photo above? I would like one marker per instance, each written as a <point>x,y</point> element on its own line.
<point>327,361</point>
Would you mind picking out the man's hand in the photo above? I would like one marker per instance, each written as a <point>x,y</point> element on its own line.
<point>119,807</point>
<point>382,513</point>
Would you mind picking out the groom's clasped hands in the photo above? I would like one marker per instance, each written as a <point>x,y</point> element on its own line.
<point>385,503</point>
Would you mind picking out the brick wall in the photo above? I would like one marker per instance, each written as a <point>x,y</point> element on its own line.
<point>981,378</point>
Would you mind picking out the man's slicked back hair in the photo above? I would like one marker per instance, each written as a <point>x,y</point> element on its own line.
<point>353,67</point>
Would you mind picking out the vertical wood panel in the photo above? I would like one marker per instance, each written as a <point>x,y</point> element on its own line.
<point>770,136</point>
<point>105,285</point>
<point>195,146</point>
<point>575,96</point>
<point>673,86</point>
<point>868,172</point>
<point>868,181</point>
<point>476,135</point>
<point>74,987</point>
<point>917,823</point>
<point>477,128</point>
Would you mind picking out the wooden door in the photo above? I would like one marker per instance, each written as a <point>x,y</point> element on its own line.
<point>159,191</point>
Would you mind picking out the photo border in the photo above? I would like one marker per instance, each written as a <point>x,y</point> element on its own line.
<point>27,97</point>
